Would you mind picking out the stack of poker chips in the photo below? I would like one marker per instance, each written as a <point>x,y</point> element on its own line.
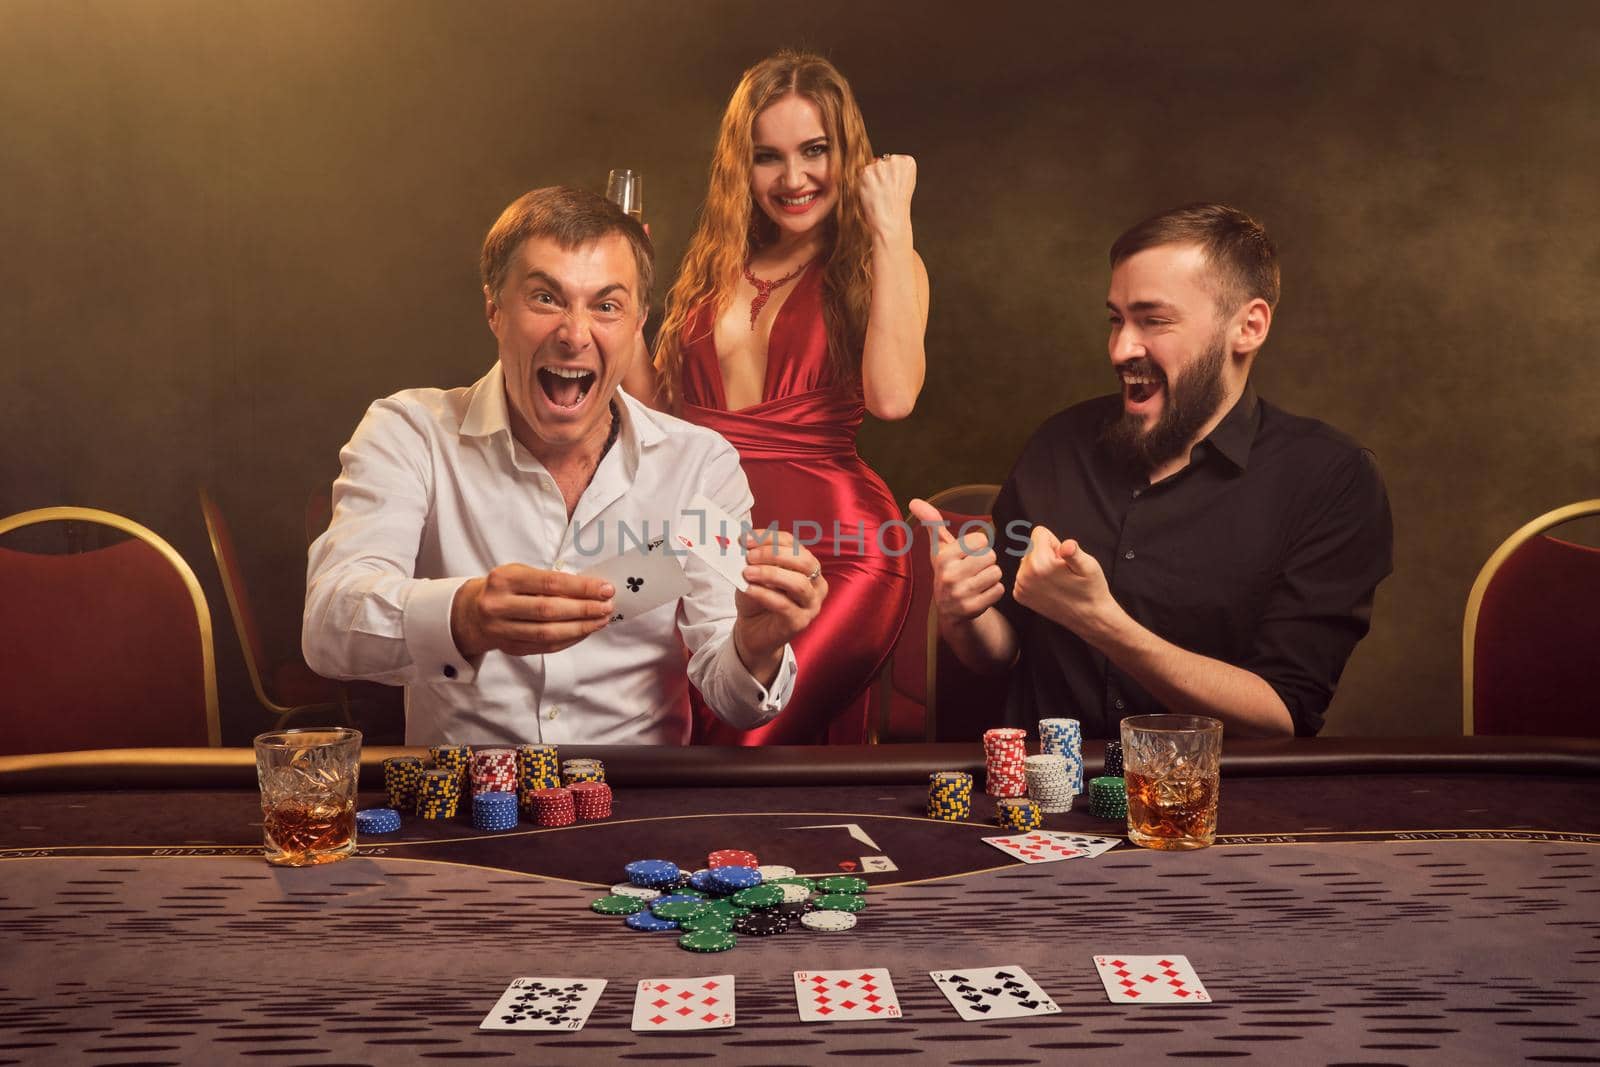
<point>1049,782</point>
<point>1113,759</point>
<point>1018,813</point>
<point>1003,751</point>
<point>1064,737</point>
<point>439,795</point>
<point>591,800</point>
<point>402,776</point>
<point>1108,798</point>
<point>377,821</point>
<point>553,807</point>
<point>494,810</point>
<point>538,768</point>
<point>950,795</point>
<point>494,770</point>
<point>582,770</point>
<point>458,760</point>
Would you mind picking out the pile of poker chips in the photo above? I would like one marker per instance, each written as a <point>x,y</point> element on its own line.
<point>538,767</point>
<point>1018,813</point>
<point>1049,782</point>
<point>494,810</point>
<point>457,759</point>
<point>712,907</point>
<point>494,770</point>
<point>1108,798</point>
<point>553,807</point>
<point>377,821</point>
<point>402,777</point>
<point>439,795</point>
<point>591,800</point>
<point>582,770</point>
<point>1064,737</point>
<point>1003,751</point>
<point>949,795</point>
<point>1113,759</point>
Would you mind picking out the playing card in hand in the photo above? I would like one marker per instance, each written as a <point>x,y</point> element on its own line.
<point>1151,980</point>
<point>829,996</point>
<point>716,542</point>
<point>644,579</point>
<point>993,993</point>
<point>545,1004</point>
<point>684,1003</point>
<point>1035,847</point>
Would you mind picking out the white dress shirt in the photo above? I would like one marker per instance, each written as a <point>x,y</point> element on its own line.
<point>436,490</point>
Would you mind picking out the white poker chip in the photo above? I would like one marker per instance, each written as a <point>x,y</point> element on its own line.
<point>830,921</point>
<point>771,872</point>
<point>794,894</point>
<point>627,890</point>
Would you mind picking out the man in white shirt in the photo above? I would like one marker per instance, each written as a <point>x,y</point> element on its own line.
<point>462,518</point>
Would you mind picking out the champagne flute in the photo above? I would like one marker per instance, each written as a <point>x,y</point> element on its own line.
<point>625,188</point>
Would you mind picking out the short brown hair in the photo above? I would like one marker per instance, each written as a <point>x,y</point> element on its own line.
<point>1243,261</point>
<point>571,217</point>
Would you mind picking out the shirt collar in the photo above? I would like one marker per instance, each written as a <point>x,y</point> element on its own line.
<point>1236,432</point>
<point>488,415</point>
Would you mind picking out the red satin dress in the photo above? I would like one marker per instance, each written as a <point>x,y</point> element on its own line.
<point>798,449</point>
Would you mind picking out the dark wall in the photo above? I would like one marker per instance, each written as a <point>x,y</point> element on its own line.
<point>225,228</point>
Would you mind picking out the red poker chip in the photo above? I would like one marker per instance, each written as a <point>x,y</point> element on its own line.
<point>732,857</point>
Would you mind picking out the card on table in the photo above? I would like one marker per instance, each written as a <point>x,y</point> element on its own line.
<point>683,1003</point>
<point>644,579</point>
<point>545,1004</point>
<point>829,996</point>
<point>1151,980</point>
<point>1092,844</point>
<point>1035,847</point>
<point>717,543</point>
<point>993,993</point>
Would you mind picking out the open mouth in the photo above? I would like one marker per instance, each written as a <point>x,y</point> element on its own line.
<point>795,205</point>
<point>1140,388</point>
<point>565,387</point>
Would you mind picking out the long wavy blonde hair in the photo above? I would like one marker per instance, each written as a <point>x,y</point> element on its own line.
<point>731,227</point>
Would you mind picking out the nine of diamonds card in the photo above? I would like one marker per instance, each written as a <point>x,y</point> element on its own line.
<point>683,1003</point>
<point>545,1004</point>
<point>828,996</point>
<point>1151,980</point>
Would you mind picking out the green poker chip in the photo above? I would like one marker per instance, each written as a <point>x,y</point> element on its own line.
<point>714,921</point>
<point>839,902</point>
<point>842,883</point>
<point>619,905</point>
<point>796,880</point>
<point>761,896</point>
<point>708,941</point>
<point>678,910</point>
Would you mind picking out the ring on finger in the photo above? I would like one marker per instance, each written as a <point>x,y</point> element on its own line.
<point>814,575</point>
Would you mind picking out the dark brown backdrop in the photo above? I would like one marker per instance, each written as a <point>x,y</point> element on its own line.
<point>225,228</point>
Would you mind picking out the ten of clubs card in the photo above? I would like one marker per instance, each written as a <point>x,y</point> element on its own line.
<point>545,1004</point>
<point>829,996</point>
<point>993,993</point>
<point>683,1003</point>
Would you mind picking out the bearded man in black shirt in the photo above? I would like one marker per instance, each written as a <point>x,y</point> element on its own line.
<point>1184,545</point>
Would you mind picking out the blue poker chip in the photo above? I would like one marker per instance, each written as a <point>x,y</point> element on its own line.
<point>733,879</point>
<point>652,874</point>
<point>377,821</point>
<point>648,923</point>
<point>702,881</point>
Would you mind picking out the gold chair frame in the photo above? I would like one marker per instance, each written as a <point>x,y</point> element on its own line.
<point>202,610</point>
<point>1469,628</point>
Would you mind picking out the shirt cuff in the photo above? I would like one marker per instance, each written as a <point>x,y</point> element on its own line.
<point>427,631</point>
<point>770,701</point>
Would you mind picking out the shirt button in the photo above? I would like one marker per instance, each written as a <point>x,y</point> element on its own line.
<point>449,670</point>
<point>1128,554</point>
<point>1136,492</point>
<point>552,713</point>
<point>559,566</point>
<point>1119,705</point>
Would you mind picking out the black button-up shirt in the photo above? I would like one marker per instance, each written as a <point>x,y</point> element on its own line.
<point>1264,552</point>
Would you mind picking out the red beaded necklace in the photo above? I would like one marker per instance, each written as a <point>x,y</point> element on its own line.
<point>764,290</point>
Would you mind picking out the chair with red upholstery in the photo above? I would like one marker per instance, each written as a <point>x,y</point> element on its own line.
<point>107,644</point>
<point>927,693</point>
<point>1532,634</point>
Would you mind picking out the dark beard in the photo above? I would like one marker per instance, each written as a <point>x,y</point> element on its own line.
<point>1191,398</point>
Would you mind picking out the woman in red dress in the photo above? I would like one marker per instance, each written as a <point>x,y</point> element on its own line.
<point>801,305</point>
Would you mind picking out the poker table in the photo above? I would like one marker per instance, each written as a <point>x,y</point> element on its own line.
<point>1366,902</point>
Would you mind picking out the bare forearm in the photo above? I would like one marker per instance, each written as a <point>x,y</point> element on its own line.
<point>1189,683</point>
<point>986,644</point>
<point>893,361</point>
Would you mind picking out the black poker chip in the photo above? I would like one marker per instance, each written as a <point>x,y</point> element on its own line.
<point>762,923</point>
<point>794,910</point>
<point>1114,759</point>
